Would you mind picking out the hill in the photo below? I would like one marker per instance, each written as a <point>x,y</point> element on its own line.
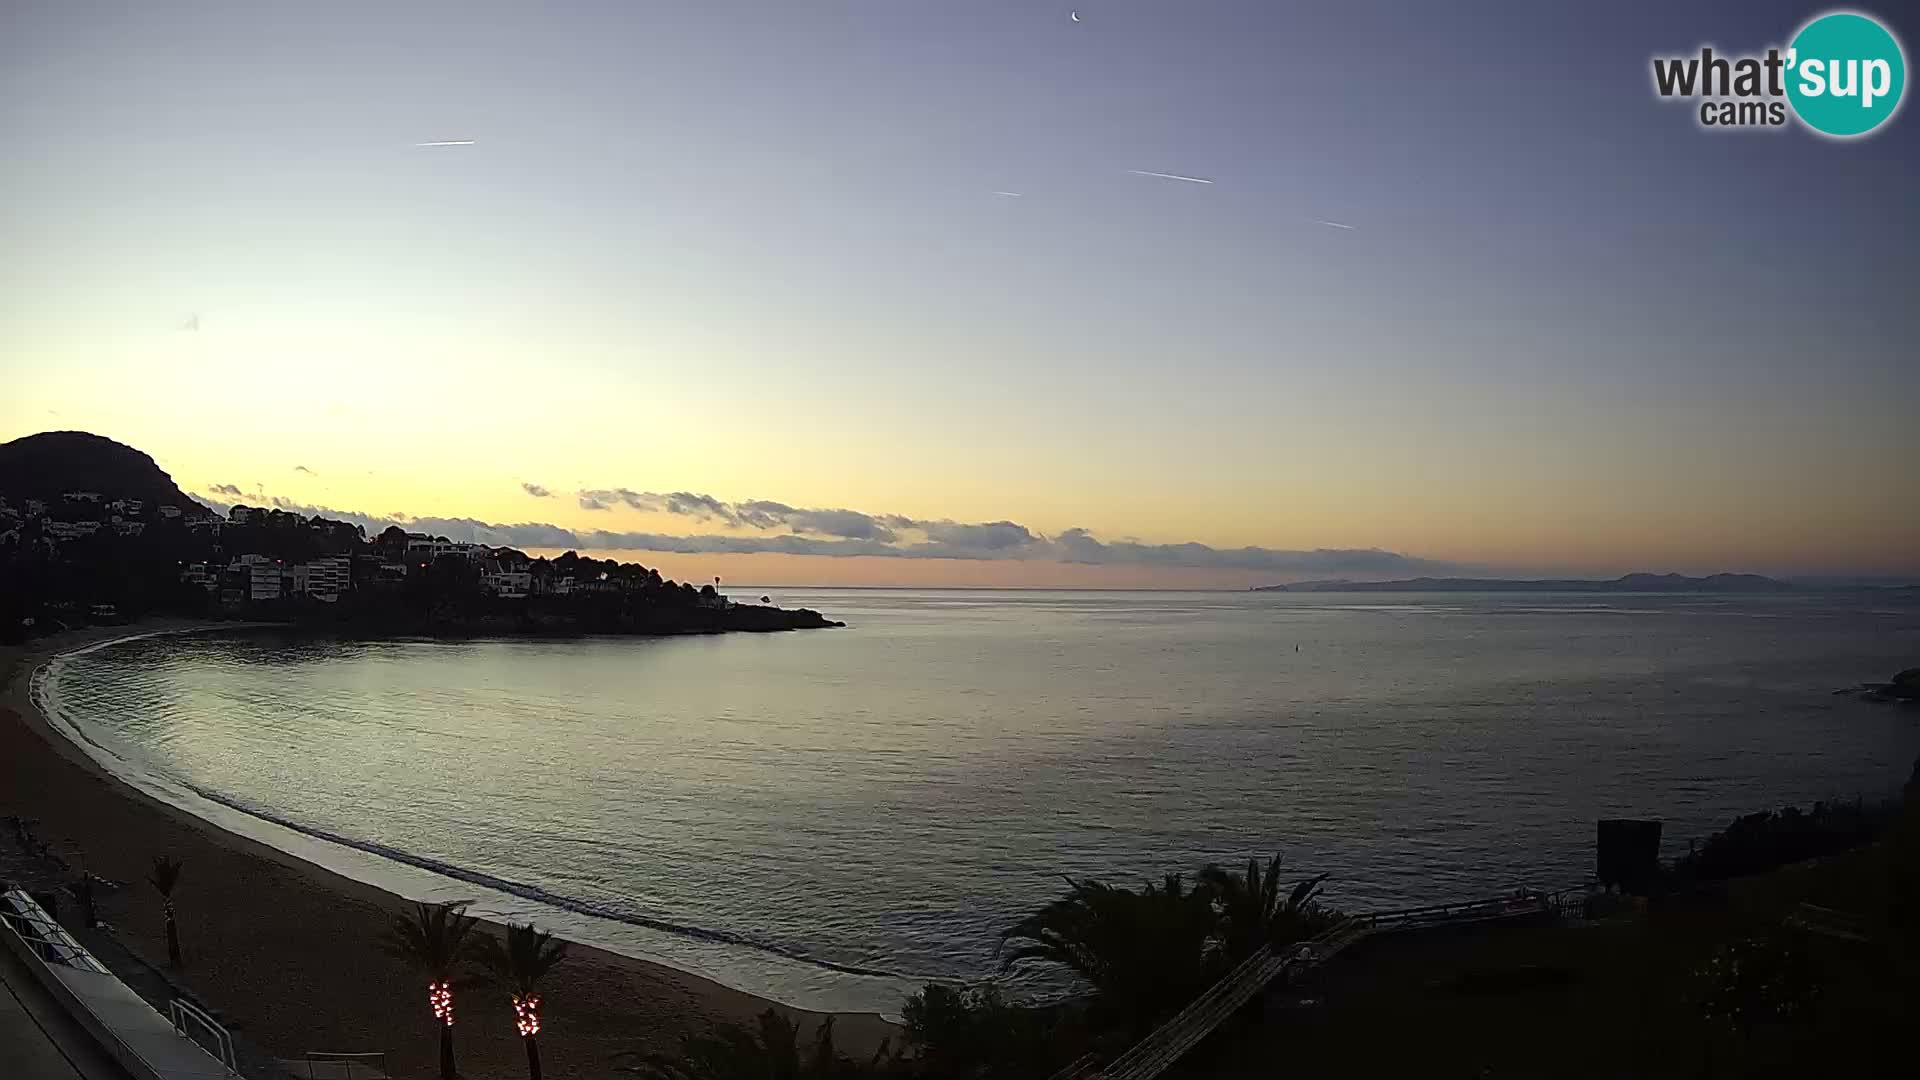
<point>47,465</point>
<point>1628,583</point>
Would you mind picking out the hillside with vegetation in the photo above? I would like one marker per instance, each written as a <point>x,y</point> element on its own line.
<point>93,531</point>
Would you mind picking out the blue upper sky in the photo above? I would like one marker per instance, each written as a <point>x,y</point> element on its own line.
<point>1461,287</point>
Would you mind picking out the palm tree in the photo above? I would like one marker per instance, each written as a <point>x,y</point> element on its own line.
<point>1254,912</point>
<point>166,874</point>
<point>772,1052</point>
<point>436,939</point>
<point>1144,953</point>
<point>520,964</point>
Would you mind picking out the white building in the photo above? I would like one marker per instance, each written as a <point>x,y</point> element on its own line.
<point>70,530</point>
<point>510,584</point>
<point>169,511</point>
<point>240,515</point>
<point>429,549</point>
<point>261,575</point>
<point>326,578</point>
<point>202,575</point>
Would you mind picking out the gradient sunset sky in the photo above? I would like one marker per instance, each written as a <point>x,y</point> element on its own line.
<point>888,283</point>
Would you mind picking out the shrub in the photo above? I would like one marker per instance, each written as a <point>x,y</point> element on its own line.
<point>1760,842</point>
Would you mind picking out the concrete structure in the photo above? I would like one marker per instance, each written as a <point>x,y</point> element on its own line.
<point>70,530</point>
<point>505,580</point>
<point>427,548</point>
<point>259,577</point>
<point>322,579</point>
<point>125,1030</point>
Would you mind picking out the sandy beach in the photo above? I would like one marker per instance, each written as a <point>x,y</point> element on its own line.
<point>288,950</point>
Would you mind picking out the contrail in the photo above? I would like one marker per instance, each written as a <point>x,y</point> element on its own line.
<point>1169,176</point>
<point>1009,194</point>
<point>1331,224</point>
<point>448,142</point>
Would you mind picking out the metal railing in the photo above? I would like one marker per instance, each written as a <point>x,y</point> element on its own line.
<point>46,938</point>
<point>1825,921</point>
<point>186,1014</point>
<point>346,1063</point>
<point>1170,1041</point>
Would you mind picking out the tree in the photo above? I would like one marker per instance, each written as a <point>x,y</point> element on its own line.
<point>1145,954</point>
<point>166,875</point>
<point>520,965</point>
<point>769,1052</point>
<point>973,1032</point>
<point>1254,912</point>
<point>437,940</point>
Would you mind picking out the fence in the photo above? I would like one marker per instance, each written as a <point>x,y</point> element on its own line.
<point>323,1065</point>
<point>1169,1042</point>
<point>188,1018</point>
<point>90,994</point>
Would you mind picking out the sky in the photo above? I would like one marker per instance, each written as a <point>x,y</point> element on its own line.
<point>1462,295</point>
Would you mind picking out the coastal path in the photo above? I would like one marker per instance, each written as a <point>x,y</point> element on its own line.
<point>135,1041</point>
<point>1157,1052</point>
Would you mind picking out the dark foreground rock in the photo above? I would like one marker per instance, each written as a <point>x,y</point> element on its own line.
<point>1904,689</point>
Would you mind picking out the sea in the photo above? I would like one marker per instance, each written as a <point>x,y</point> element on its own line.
<point>833,817</point>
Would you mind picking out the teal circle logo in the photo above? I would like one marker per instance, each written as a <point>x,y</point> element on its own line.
<point>1846,74</point>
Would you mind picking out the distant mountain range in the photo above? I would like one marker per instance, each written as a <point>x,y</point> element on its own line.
<point>1629,583</point>
<point>48,465</point>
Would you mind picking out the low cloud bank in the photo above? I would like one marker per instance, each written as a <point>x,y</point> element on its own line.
<point>840,533</point>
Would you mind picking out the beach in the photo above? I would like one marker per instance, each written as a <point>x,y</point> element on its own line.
<point>288,952</point>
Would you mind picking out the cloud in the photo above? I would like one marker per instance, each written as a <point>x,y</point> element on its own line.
<point>602,498</point>
<point>1170,176</point>
<point>992,536</point>
<point>851,533</point>
<point>536,491</point>
<point>231,491</point>
<point>304,469</point>
<point>846,524</point>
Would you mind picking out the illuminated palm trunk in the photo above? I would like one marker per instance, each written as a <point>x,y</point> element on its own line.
<point>526,1018</point>
<point>440,996</point>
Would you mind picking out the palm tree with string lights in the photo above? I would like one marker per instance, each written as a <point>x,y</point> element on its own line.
<point>520,965</point>
<point>436,940</point>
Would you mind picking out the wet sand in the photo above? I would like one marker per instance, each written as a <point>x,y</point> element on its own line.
<point>288,951</point>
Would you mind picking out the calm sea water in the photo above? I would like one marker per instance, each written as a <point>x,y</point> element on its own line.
<point>884,799</point>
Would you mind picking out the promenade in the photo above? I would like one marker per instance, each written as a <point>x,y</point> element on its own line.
<point>38,1039</point>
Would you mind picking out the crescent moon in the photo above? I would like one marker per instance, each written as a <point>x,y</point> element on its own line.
<point>1074,15</point>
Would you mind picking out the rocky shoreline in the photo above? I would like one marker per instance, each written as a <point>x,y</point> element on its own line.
<point>1903,690</point>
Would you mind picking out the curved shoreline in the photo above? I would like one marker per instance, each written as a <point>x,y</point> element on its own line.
<point>111,821</point>
<point>321,846</point>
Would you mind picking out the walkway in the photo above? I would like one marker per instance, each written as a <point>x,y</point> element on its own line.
<point>122,1026</point>
<point>38,1040</point>
<point>1170,1041</point>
